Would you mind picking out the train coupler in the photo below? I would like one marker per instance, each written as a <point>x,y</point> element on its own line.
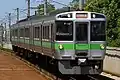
<point>81,61</point>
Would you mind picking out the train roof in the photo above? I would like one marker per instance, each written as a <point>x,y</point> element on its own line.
<point>52,15</point>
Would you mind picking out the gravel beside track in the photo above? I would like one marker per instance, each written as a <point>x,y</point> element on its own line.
<point>12,68</point>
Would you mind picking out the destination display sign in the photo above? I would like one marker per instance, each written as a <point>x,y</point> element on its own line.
<point>81,15</point>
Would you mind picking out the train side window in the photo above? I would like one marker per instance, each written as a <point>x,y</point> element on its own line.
<point>37,32</point>
<point>43,32</point>
<point>47,32</point>
<point>16,32</point>
<point>40,31</point>
<point>21,32</point>
<point>27,32</point>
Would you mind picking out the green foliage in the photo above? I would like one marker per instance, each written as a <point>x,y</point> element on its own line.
<point>50,8</point>
<point>75,4</point>
<point>111,9</point>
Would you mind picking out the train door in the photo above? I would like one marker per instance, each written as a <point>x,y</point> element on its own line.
<point>52,37</point>
<point>82,39</point>
<point>26,36</point>
<point>31,36</point>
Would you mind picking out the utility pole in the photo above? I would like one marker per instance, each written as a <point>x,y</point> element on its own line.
<point>45,7</point>
<point>9,20</point>
<point>9,16</point>
<point>81,4</point>
<point>17,14</point>
<point>2,35</point>
<point>5,32</point>
<point>28,14</point>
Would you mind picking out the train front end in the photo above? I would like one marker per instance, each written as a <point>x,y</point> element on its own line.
<point>80,42</point>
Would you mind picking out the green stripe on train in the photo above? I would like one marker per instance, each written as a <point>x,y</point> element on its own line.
<point>37,43</point>
<point>82,46</point>
<point>21,40</point>
<point>79,46</point>
<point>95,46</point>
<point>46,44</point>
<point>34,42</point>
<point>66,46</point>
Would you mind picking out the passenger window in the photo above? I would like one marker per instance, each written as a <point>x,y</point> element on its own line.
<point>16,32</point>
<point>37,32</point>
<point>27,32</point>
<point>21,32</point>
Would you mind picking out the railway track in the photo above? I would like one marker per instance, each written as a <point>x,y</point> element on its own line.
<point>50,75</point>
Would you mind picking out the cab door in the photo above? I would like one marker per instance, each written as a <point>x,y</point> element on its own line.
<point>81,39</point>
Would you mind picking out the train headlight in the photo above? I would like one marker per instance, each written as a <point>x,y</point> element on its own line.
<point>102,46</point>
<point>60,47</point>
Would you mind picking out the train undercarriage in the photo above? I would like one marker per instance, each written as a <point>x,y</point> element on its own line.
<point>66,67</point>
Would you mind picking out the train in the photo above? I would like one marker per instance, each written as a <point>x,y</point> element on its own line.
<point>74,40</point>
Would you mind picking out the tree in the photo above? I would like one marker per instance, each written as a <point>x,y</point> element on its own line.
<point>75,3</point>
<point>50,8</point>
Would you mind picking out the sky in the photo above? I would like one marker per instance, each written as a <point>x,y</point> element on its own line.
<point>8,6</point>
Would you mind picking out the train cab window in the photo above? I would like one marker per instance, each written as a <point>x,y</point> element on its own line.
<point>81,31</point>
<point>98,31</point>
<point>64,31</point>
